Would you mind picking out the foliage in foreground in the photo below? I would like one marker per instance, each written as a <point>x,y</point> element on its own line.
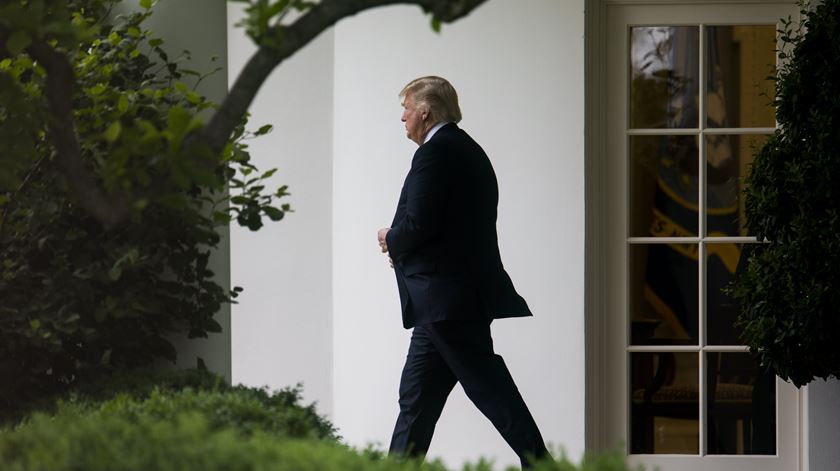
<point>790,291</point>
<point>81,299</point>
<point>237,428</point>
<point>129,435</point>
<point>193,420</point>
<point>166,392</point>
<point>109,438</point>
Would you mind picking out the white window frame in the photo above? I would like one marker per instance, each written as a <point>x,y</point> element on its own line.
<point>607,409</point>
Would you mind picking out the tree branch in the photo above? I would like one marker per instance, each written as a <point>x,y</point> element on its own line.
<point>113,209</point>
<point>295,37</point>
<point>109,209</point>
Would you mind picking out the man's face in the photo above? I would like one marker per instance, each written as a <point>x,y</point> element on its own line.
<point>414,119</point>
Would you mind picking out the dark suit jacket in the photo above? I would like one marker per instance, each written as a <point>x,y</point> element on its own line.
<point>443,238</point>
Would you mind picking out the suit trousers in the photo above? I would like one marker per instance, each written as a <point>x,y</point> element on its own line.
<point>442,354</point>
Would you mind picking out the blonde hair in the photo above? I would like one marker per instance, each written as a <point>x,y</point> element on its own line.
<point>437,95</point>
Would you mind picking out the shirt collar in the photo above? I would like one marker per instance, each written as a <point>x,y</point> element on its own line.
<point>434,129</point>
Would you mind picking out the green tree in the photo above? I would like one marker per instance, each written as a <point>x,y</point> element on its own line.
<point>50,31</point>
<point>113,184</point>
<point>83,296</point>
<point>790,290</point>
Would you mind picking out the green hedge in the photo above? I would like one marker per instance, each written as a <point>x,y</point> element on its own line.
<point>78,439</point>
<point>200,431</point>
<point>193,420</point>
<point>248,411</point>
<point>191,389</point>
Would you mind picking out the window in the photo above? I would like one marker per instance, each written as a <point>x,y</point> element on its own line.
<point>688,102</point>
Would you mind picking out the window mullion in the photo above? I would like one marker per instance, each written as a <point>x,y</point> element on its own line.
<point>701,253</point>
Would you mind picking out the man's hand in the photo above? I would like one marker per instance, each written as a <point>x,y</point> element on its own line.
<point>383,244</point>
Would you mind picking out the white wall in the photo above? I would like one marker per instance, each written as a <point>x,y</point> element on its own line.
<point>281,328</point>
<point>823,425</point>
<point>518,68</point>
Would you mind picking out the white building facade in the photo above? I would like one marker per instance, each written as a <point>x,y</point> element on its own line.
<point>547,88</point>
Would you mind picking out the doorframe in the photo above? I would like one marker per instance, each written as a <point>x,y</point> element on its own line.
<point>595,218</point>
<point>596,333</point>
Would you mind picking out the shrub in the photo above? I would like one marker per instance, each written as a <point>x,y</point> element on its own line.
<point>80,299</point>
<point>166,392</point>
<point>246,410</point>
<point>228,428</point>
<point>790,291</point>
<point>137,383</point>
<point>193,420</point>
<point>186,431</point>
<point>76,439</point>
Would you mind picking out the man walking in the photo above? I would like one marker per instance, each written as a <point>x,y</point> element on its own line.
<point>444,250</point>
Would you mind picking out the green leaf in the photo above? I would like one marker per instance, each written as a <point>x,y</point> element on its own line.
<point>273,213</point>
<point>106,357</point>
<point>178,120</point>
<point>268,174</point>
<point>193,97</point>
<point>97,89</point>
<point>435,24</point>
<point>146,4</point>
<point>221,217</point>
<point>150,132</point>
<point>17,42</point>
<point>122,104</point>
<point>113,132</point>
<point>265,129</point>
<point>35,324</point>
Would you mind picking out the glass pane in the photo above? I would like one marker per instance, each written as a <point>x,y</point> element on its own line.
<point>740,58</point>
<point>664,76</point>
<point>741,401</point>
<point>663,186</point>
<point>663,294</point>
<point>664,403</point>
<point>723,263</point>
<point>728,159</point>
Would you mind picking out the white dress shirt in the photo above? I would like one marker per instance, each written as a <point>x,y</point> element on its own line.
<point>434,129</point>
